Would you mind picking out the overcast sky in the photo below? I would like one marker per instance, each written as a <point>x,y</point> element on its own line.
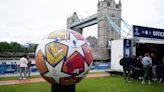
<point>29,20</point>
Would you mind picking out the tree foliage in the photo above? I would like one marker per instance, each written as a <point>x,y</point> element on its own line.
<point>5,47</point>
<point>13,48</point>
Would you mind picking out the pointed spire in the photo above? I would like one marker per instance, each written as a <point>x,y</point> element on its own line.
<point>98,2</point>
<point>119,2</point>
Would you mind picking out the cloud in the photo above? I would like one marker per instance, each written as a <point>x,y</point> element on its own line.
<point>29,20</point>
<point>143,12</point>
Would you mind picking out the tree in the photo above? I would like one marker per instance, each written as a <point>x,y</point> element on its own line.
<point>32,47</point>
<point>15,47</point>
<point>5,47</point>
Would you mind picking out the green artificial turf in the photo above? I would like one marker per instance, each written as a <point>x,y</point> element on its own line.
<point>17,78</point>
<point>96,72</point>
<point>103,84</point>
<point>36,76</point>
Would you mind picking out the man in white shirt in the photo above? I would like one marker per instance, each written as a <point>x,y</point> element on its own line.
<point>23,66</point>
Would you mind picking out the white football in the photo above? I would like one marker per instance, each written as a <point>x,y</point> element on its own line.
<point>63,57</point>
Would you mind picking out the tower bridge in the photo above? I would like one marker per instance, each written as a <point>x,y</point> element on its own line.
<point>106,30</point>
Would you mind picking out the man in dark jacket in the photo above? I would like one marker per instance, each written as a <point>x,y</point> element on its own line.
<point>137,69</point>
<point>126,63</point>
<point>160,71</point>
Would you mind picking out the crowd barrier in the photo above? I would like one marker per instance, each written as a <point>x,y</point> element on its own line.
<point>14,68</point>
<point>101,65</point>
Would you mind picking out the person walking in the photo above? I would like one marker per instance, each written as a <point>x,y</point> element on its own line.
<point>126,63</point>
<point>29,65</point>
<point>23,67</point>
<point>147,64</point>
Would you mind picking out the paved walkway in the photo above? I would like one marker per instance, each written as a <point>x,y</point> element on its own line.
<point>34,80</point>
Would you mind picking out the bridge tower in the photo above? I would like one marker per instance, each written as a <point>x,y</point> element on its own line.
<point>73,19</point>
<point>105,31</point>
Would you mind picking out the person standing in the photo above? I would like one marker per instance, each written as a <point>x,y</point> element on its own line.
<point>137,68</point>
<point>154,66</point>
<point>16,67</point>
<point>126,63</point>
<point>29,65</point>
<point>160,71</point>
<point>147,64</point>
<point>23,67</point>
<point>141,73</point>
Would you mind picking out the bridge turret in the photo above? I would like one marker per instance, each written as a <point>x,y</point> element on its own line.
<point>120,5</point>
<point>102,3</point>
<point>73,19</point>
<point>119,2</point>
<point>109,3</point>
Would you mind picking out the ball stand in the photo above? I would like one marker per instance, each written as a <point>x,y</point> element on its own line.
<point>59,88</point>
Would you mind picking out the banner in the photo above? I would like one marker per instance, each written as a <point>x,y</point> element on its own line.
<point>147,32</point>
<point>127,47</point>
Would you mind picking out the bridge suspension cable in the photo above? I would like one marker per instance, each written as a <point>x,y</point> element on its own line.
<point>118,29</point>
<point>127,26</point>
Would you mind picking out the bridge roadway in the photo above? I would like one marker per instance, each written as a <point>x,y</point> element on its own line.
<point>98,53</point>
<point>91,20</point>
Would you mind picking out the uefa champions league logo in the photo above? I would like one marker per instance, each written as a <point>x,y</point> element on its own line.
<point>127,42</point>
<point>136,31</point>
<point>146,32</point>
<point>74,42</point>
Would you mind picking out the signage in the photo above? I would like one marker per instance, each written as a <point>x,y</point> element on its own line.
<point>127,47</point>
<point>147,32</point>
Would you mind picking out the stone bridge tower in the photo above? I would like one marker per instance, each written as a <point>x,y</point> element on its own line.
<point>105,31</point>
<point>73,19</point>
